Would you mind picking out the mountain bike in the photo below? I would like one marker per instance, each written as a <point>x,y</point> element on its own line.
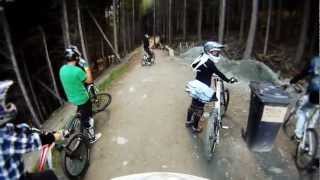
<point>75,152</point>
<point>307,148</point>
<point>100,101</point>
<point>215,119</point>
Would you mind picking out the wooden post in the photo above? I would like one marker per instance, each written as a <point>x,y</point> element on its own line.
<point>7,37</point>
<point>54,82</point>
<point>83,46</point>
<point>65,24</point>
<point>102,33</point>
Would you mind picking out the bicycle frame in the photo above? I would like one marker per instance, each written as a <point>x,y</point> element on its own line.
<point>310,124</point>
<point>218,85</point>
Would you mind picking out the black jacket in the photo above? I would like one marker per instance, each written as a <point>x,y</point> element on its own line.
<point>206,70</point>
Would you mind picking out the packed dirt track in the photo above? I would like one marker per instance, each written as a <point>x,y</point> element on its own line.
<point>143,131</point>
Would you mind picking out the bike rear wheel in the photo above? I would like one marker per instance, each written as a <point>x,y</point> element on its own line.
<point>101,102</point>
<point>289,124</point>
<point>211,136</point>
<point>306,155</point>
<point>76,156</point>
<point>225,96</point>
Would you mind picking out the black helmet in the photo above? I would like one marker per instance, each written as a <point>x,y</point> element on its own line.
<point>7,110</point>
<point>72,53</point>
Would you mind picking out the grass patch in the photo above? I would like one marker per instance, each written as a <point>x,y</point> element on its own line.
<point>115,74</point>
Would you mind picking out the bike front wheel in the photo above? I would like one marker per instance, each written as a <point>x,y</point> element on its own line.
<point>211,136</point>
<point>307,150</point>
<point>76,156</point>
<point>101,102</point>
<point>225,96</point>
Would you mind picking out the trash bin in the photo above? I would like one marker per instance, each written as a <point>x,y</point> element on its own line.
<point>268,107</point>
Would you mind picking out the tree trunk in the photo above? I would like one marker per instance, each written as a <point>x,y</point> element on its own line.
<point>278,25</point>
<point>200,20</point>
<point>102,33</point>
<point>268,28</point>
<point>222,20</point>
<point>123,27</point>
<point>303,32</point>
<point>184,20</point>
<point>33,94</point>
<point>128,31</point>
<point>65,25</point>
<point>133,24</point>
<point>83,46</point>
<point>252,31</point>
<point>53,79</point>
<point>169,21</point>
<point>242,20</point>
<point>115,34</point>
<point>154,21</point>
<point>7,37</point>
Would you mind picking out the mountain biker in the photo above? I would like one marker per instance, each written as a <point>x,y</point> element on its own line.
<point>146,45</point>
<point>205,67</point>
<point>17,140</point>
<point>73,80</point>
<point>311,98</point>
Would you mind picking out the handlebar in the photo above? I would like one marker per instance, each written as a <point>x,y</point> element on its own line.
<point>297,88</point>
<point>63,133</point>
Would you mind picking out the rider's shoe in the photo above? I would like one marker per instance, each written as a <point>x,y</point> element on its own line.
<point>92,136</point>
<point>189,123</point>
<point>95,138</point>
<point>196,130</point>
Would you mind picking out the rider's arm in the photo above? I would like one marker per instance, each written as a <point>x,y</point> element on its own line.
<point>85,65</point>
<point>216,71</point>
<point>19,140</point>
<point>89,79</point>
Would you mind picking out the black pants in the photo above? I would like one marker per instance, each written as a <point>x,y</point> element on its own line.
<point>148,52</point>
<point>195,110</point>
<point>85,111</point>
<point>46,175</point>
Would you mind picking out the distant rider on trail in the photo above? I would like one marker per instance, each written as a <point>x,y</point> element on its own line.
<point>146,46</point>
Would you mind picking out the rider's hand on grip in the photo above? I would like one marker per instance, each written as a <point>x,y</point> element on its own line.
<point>233,80</point>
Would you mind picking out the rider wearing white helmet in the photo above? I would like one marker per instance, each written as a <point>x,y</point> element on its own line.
<point>17,140</point>
<point>205,67</point>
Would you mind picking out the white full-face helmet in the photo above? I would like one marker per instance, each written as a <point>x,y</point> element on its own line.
<point>7,110</point>
<point>213,50</point>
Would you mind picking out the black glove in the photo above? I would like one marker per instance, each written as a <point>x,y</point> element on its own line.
<point>292,81</point>
<point>232,80</point>
<point>47,138</point>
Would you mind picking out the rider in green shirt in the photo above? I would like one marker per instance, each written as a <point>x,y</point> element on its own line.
<point>73,80</point>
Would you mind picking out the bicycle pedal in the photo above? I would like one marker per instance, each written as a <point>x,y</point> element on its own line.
<point>225,127</point>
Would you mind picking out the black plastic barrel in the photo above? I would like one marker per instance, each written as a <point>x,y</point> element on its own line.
<point>268,107</point>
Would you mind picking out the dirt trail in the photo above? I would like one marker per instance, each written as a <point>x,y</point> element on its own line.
<point>143,131</point>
